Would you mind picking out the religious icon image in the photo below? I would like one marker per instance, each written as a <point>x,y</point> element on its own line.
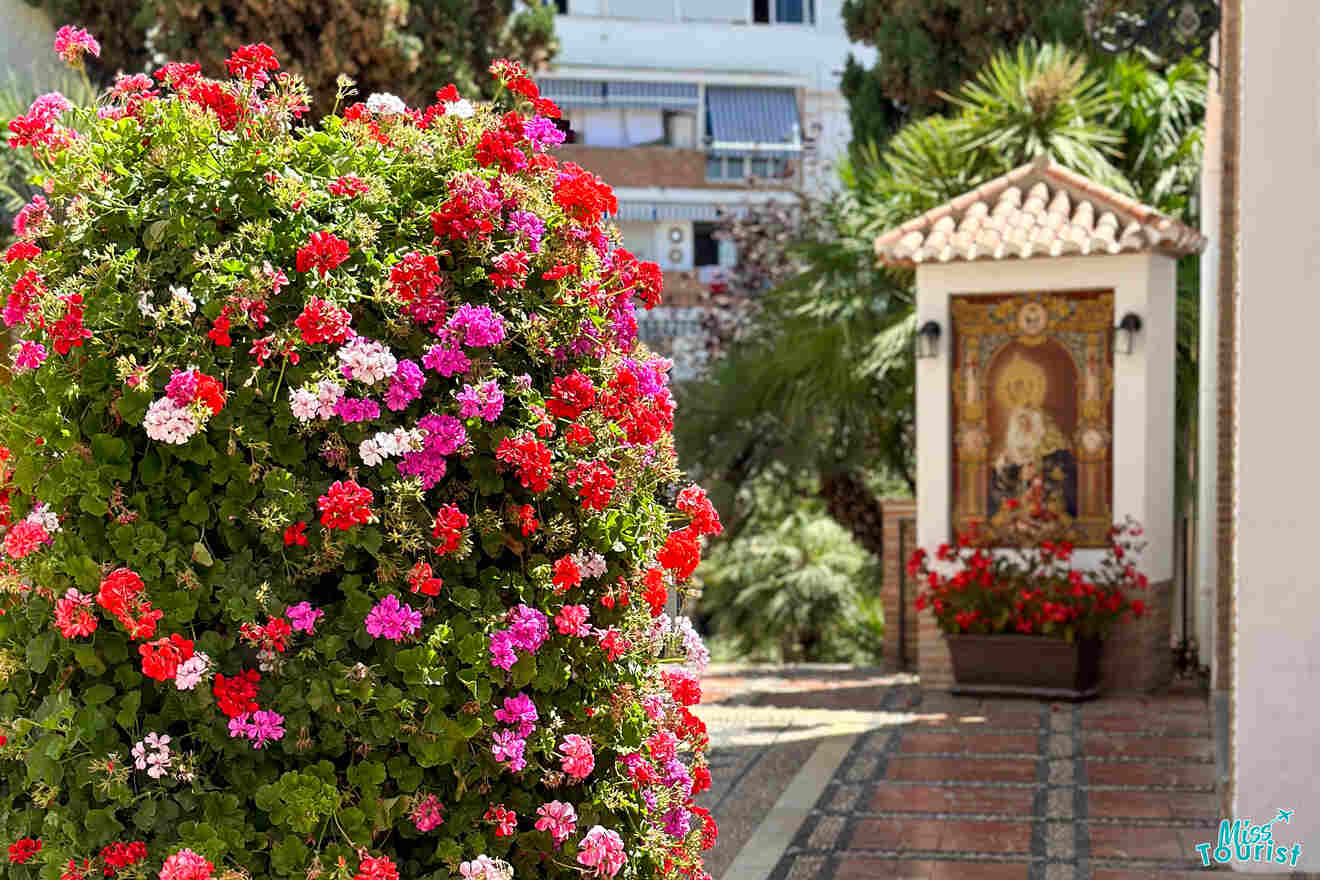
<point>1032,408</point>
<point>1033,469</point>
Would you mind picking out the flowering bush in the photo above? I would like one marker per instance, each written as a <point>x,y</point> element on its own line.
<point>1034,590</point>
<point>343,507</point>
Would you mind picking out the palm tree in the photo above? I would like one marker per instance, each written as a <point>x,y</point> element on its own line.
<point>788,590</point>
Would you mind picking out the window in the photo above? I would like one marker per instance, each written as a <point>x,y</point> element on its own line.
<point>734,168</point>
<point>564,125</point>
<point>760,167</point>
<point>714,168</point>
<point>680,129</point>
<point>784,11</point>
<point>790,11</point>
<point>705,246</point>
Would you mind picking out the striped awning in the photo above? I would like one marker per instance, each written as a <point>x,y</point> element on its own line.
<point>664,95</point>
<point>573,92</point>
<point>757,121</point>
<point>621,94</point>
<point>676,211</point>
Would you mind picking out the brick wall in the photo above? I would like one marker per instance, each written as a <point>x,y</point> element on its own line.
<point>1136,655</point>
<point>1230,36</point>
<point>651,166</point>
<point>900,644</point>
<point>934,664</point>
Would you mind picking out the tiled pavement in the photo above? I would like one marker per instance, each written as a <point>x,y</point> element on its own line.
<point>939,787</point>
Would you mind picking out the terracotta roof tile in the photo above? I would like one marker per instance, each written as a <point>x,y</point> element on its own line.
<point>1038,210</point>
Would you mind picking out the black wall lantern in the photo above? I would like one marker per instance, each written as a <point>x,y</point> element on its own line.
<point>1125,334</point>
<point>928,340</point>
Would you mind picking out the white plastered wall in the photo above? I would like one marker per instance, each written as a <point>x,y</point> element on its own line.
<point>1143,450</point>
<point>1276,665</point>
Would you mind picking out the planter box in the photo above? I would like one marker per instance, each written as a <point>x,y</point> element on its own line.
<point>1033,666</point>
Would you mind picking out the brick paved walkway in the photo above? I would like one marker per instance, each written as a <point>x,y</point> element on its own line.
<point>944,787</point>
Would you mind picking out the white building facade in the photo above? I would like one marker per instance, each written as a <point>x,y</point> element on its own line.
<point>694,109</point>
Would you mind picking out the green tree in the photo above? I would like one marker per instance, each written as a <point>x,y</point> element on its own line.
<point>408,48</point>
<point>928,47</point>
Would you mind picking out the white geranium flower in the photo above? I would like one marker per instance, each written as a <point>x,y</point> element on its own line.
<point>385,104</point>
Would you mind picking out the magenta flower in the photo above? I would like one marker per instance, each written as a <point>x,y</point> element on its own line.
<point>72,43</point>
<point>602,850</point>
<point>392,619</point>
<point>303,617</point>
<point>29,356</point>
<point>406,385</point>
<point>446,359</point>
<point>519,710</point>
<point>355,409</point>
<point>558,818</point>
<point>265,727</point>
<point>501,650</point>
<point>479,325</point>
<point>486,401</point>
<point>182,387</point>
<point>572,621</point>
<point>677,823</point>
<point>238,725</point>
<point>508,746</point>
<point>529,628</point>
<point>428,813</point>
<point>578,760</point>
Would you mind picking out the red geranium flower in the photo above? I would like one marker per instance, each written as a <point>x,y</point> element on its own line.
<point>237,695</point>
<point>705,519</point>
<point>570,396</point>
<point>681,553</point>
<point>20,851</point>
<point>322,322</point>
<point>422,580</point>
<point>449,525</point>
<point>345,505</point>
<point>161,658</point>
<point>530,457</point>
<point>567,575</point>
<point>323,252</point>
<point>252,62</point>
<point>296,535</point>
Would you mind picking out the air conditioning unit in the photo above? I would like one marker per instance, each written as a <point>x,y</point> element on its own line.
<point>675,247</point>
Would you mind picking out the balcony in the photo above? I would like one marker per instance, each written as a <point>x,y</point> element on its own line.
<point>661,166</point>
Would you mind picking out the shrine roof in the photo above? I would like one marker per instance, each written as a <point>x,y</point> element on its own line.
<point>1038,210</point>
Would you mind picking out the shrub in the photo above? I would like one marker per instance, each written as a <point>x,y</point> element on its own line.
<point>797,590</point>
<point>343,505</point>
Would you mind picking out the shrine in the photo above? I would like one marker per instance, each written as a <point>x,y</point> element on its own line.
<point>1046,309</point>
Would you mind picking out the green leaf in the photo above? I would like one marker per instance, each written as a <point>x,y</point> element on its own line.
<point>524,670</point>
<point>127,717</point>
<point>39,650</point>
<point>290,856</point>
<point>98,694</point>
<point>151,469</point>
<point>202,556</point>
<point>133,406</point>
